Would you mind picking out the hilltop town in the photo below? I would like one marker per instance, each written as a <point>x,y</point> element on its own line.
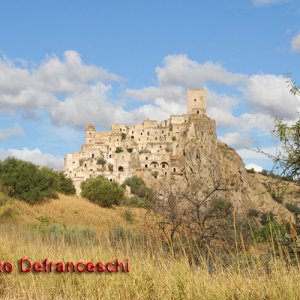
<point>152,147</point>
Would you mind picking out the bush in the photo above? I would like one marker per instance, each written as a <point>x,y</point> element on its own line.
<point>144,195</point>
<point>102,191</point>
<point>123,136</point>
<point>251,171</point>
<point>253,213</point>
<point>144,151</point>
<point>293,208</point>
<point>101,161</point>
<point>173,138</point>
<point>28,182</point>
<point>119,150</point>
<point>65,185</point>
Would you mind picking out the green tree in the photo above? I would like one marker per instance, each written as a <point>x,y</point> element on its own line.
<point>31,183</point>
<point>65,185</point>
<point>289,135</point>
<point>26,181</point>
<point>102,191</point>
<point>144,195</point>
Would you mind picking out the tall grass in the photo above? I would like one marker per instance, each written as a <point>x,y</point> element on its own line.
<point>156,271</point>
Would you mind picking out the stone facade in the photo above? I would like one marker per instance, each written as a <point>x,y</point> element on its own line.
<point>151,147</point>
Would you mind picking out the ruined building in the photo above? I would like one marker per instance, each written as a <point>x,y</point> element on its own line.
<point>182,149</point>
<point>153,147</point>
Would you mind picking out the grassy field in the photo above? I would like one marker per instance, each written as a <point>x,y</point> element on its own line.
<point>73,229</point>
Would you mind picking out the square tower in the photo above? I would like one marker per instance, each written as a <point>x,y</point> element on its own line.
<point>196,101</point>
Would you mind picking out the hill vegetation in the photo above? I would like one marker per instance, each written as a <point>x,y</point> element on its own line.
<point>33,184</point>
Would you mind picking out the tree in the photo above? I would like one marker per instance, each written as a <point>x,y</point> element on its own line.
<point>201,214</point>
<point>65,185</point>
<point>289,159</point>
<point>31,183</point>
<point>287,162</point>
<point>144,195</point>
<point>102,191</point>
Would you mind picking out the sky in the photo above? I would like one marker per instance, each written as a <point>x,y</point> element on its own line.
<point>64,64</point>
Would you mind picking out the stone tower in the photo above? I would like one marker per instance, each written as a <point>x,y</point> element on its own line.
<point>196,101</point>
<point>90,133</point>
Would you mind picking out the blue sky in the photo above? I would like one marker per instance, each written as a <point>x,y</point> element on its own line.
<point>64,64</point>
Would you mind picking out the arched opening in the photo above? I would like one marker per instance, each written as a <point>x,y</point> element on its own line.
<point>195,100</point>
<point>197,112</point>
<point>110,179</point>
<point>154,164</point>
<point>174,169</point>
<point>93,155</point>
<point>164,165</point>
<point>120,169</point>
<point>132,137</point>
<point>146,166</point>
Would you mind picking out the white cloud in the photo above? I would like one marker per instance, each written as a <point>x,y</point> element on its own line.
<point>270,94</point>
<point>12,132</point>
<point>255,167</point>
<point>236,139</point>
<point>295,44</point>
<point>35,156</point>
<point>268,2</point>
<point>37,88</point>
<point>180,70</point>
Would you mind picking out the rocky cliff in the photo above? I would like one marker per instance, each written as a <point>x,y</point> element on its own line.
<point>206,164</point>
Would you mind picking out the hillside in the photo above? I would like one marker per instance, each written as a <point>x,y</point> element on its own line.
<point>72,229</point>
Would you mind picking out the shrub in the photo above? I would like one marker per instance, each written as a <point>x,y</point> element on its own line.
<point>253,213</point>
<point>144,195</point>
<point>65,185</point>
<point>101,161</point>
<point>123,136</point>
<point>144,151</point>
<point>251,171</point>
<point>293,208</point>
<point>173,138</point>
<point>31,183</point>
<point>128,216</point>
<point>102,191</point>
<point>275,194</point>
<point>119,150</point>
<point>264,172</point>
<point>26,181</point>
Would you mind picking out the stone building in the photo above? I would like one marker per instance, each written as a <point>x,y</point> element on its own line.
<point>151,147</point>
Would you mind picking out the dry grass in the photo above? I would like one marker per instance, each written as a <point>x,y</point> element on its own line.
<point>153,274</point>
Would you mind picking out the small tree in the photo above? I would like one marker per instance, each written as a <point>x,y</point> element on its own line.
<point>101,161</point>
<point>123,136</point>
<point>65,185</point>
<point>28,182</point>
<point>144,195</point>
<point>102,191</point>
<point>119,150</point>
